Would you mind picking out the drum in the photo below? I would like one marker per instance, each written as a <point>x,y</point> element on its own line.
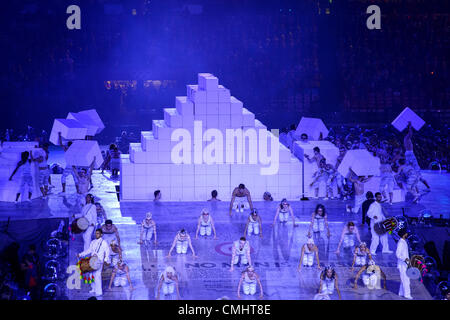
<point>416,265</point>
<point>79,225</point>
<point>89,264</point>
<point>387,225</point>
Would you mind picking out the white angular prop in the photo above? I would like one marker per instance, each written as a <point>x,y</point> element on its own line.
<point>82,152</point>
<point>90,119</point>
<point>312,127</point>
<point>401,122</point>
<point>70,130</point>
<point>361,161</point>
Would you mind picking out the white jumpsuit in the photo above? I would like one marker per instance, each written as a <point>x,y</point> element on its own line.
<point>402,254</point>
<point>100,248</point>
<point>205,226</point>
<point>283,215</point>
<point>121,278</point>
<point>241,254</point>
<point>361,258</point>
<point>249,285</point>
<point>168,286</point>
<point>375,209</point>
<point>146,229</point>
<point>253,226</point>
<point>318,223</point>
<point>89,211</point>
<point>371,278</point>
<point>182,243</point>
<point>327,286</point>
<point>308,257</point>
<point>349,239</point>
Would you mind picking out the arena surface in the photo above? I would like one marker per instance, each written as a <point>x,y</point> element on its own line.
<point>275,256</point>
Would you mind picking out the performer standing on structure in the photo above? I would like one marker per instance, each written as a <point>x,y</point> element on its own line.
<point>410,157</point>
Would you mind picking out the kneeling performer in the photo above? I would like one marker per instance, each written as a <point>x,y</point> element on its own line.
<point>182,240</point>
<point>249,278</point>
<point>307,256</point>
<point>240,253</point>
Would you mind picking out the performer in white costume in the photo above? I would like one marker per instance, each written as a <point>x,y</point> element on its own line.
<point>248,281</point>
<point>254,224</point>
<point>240,199</point>
<point>319,221</point>
<point>120,275</point>
<point>375,213</point>
<point>168,282</point>
<point>205,225</point>
<point>148,226</point>
<point>372,277</point>
<point>328,282</point>
<point>182,240</point>
<point>349,234</point>
<point>99,248</point>
<point>89,211</point>
<point>240,253</point>
<point>307,255</point>
<point>360,255</point>
<point>402,254</point>
<point>283,212</point>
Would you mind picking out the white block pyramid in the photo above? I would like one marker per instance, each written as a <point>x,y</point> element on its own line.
<point>210,158</point>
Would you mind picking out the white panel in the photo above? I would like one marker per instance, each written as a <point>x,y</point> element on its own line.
<point>401,122</point>
<point>184,106</point>
<point>70,130</point>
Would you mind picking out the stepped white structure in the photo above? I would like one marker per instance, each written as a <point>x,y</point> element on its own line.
<point>208,141</point>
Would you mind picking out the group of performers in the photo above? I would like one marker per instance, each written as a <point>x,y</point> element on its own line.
<point>107,247</point>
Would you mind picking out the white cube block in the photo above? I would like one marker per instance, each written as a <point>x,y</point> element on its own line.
<point>184,106</point>
<point>401,122</point>
<point>148,142</point>
<point>160,130</point>
<point>361,162</point>
<point>208,82</point>
<point>235,106</point>
<point>260,125</point>
<point>212,97</point>
<point>188,181</point>
<point>224,108</point>
<point>203,118</point>
<point>248,118</point>
<point>212,121</point>
<point>188,169</point>
<point>200,181</point>
<point>176,194</point>
<point>223,94</point>
<point>224,121</point>
<point>164,157</point>
<point>172,118</point>
<point>93,115</point>
<point>176,170</point>
<point>312,127</point>
<point>139,181</point>
<point>212,108</point>
<point>200,108</point>
<point>188,194</point>
<point>195,95</point>
<point>236,121</point>
<point>70,130</point>
<point>90,125</point>
<point>188,121</point>
<point>82,152</point>
<point>201,193</point>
